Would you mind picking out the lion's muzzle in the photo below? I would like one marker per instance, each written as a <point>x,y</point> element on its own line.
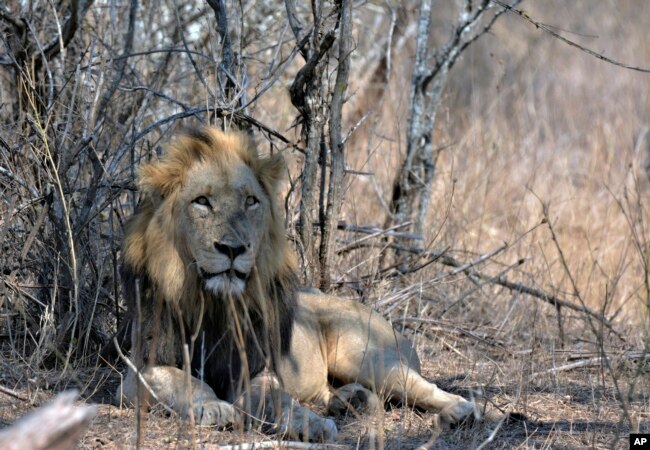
<point>229,281</point>
<point>231,273</point>
<point>227,270</point>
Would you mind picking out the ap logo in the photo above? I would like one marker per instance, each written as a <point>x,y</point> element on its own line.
<point>639,441</point>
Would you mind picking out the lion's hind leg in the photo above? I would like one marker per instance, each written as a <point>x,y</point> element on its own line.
<point>353,397</point>
<point>405,384</point>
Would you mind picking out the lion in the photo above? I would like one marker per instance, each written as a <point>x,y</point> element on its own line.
<point>220,328</point>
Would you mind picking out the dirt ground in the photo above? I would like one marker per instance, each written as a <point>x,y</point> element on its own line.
<point>569,409</point>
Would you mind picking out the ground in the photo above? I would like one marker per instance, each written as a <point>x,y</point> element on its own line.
<point>570,409</point>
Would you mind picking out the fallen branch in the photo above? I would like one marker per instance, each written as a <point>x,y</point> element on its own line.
<point>631,355</point>
<point>56,426</point>
<point>467,268</point>
<point>14,394</point>
<point>533,292</point>
<point>440,326</point>
<point>591,362</point>
<point>372,232</point>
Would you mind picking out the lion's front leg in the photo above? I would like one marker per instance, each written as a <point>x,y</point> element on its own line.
<point>269,403</point>
<point>170,386</point>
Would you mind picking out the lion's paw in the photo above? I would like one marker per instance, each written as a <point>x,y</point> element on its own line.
<point>323,431</point>
<point>458,411</point>
<point>306,425</point>
<point>353,396</point>
<point>215,413</point>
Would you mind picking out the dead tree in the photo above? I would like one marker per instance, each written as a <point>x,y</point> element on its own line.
<point>412,185</point>
<point>320,108</point>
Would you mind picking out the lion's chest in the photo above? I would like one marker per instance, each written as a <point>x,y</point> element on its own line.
<point>216,360</point>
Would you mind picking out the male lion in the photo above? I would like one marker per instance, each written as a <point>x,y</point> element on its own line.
<point>210,279</point>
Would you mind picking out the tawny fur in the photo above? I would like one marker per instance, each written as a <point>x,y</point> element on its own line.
<point>212,201</point>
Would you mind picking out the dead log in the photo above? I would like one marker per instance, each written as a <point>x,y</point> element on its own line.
<point>56,426</point>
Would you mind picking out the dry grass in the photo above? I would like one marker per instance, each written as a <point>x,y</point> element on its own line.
<point>532,131</point>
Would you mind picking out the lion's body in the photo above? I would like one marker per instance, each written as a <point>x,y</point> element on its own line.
<point>207,265</point>
<point>341,339</point>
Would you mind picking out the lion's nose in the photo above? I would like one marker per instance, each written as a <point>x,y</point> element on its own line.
<point>230,250</point>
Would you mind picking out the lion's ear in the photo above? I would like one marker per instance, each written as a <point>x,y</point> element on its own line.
<point>271,171</point>
<point>157,180</point>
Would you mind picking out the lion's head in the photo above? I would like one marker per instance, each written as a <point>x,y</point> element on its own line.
<point>210,221</point>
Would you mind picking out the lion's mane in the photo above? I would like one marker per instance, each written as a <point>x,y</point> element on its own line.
<point>164,292</point>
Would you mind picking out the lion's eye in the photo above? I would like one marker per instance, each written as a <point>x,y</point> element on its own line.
<point>251,201</point>
<point>202,200</point>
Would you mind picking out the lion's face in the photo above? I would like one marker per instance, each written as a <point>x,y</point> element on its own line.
<point>224,212</point>
<point>210,220</point>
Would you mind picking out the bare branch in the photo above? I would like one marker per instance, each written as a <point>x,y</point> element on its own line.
<point>372,232</point>
<point>230,67</point>
<point>14,394</point>
<point>188,53</point>
<point>68,31</point>
<point>412,185</point>
<point>306,73</point>
<point>556,35</point>
<point>6,15</point>
<point>337,154</point>
<point>297,28</point>
<point>533,292</point>
<point>121,63</point>
<point>641,356</point>
<point>12,176</point>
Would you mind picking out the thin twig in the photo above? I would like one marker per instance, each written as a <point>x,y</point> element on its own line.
<point>14,394</point>
<point>373,234</point>
<point>12,176</point>
<point>221,112</point>
<point>68,31</point>
<point>141,378</point>
<point>556,35</point>
<point>533,292</point>
<point>590,362</point>
<point>5,15</point>
<point>445,327</point>
<point>297,27</point>
<point>121,64</point>
<point>492,435</point>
